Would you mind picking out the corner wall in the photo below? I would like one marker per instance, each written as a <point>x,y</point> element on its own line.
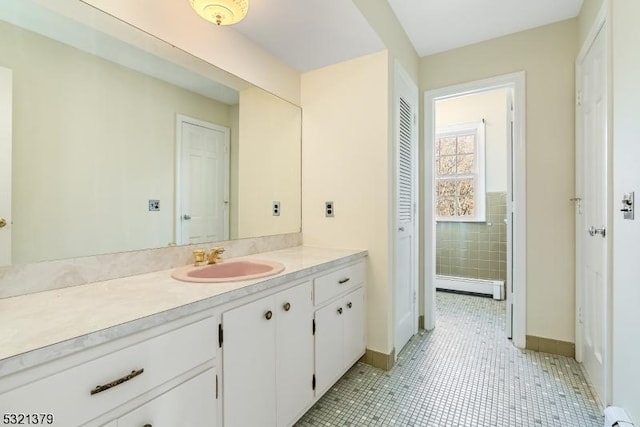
<point>345,159</point>
<point>547,55</point>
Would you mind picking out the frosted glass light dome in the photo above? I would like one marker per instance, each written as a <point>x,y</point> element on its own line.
<point>221,12</point>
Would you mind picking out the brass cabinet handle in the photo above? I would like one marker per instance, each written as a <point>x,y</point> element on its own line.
<point>101,388</point>
<point>3,222</point>
<point>268,315</point>
<point>287,307</point>
<point>147,425</point>
<point>345,280</point>
<point>340,310</point>
<point>349,305</point>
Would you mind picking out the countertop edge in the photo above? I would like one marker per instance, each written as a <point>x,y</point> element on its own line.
<point>22,361</point>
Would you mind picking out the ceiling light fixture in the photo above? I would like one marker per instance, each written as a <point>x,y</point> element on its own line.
<point>221,12</point>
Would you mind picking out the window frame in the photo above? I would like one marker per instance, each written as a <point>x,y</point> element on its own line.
<point>479,175</point>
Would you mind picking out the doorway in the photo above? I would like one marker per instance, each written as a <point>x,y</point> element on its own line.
<point>452,194</point>
<point>202,181</point>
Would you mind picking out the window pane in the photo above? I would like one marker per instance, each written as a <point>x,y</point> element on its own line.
<point>446,188</point>
<point>466,164</point>
<point>466,202</point>
<point>445,207</point>
<point>466,144</point>
<point>447,165</point>
<point>447,145</point>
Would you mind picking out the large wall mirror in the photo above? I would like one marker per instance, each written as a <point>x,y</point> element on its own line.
<point>120,141</point>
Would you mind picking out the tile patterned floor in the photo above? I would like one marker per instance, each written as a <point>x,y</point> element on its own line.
<point>463,373</point>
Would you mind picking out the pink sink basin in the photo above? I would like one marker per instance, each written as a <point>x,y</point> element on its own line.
<point>228,271</point>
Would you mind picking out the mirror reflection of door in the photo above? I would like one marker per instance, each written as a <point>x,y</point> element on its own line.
<point>202,171</point>
<point>5,165</point>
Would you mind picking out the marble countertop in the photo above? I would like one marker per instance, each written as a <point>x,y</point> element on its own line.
<point>43,326</point>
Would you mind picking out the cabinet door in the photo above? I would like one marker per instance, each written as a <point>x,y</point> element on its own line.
<point>329,345</point>
<point>248,372</point>
<point>294,351</point>
<point>191,404</point>
<point>354,344</point>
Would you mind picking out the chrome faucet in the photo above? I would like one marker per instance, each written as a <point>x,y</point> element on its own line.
<point>215,255</point>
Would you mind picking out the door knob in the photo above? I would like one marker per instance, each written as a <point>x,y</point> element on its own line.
<point>3,222</point>
<point>593,231</point>
<point>186,217</point>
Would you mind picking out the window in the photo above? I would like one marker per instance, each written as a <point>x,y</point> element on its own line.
<point>459,173</point>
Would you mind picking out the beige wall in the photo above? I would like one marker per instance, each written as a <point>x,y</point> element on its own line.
<point>492,107</point>
<point>91,173</point>
<point>626,233</point>
<point>270,139</point>
<point>384,22</point>
<point>547,55</point>
<point>345,159</point>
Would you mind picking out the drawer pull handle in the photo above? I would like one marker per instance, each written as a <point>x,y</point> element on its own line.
<point>147,425</point>
<point>101,388</point>
<point>268,315</point>
<point>349,305</point>
<point>340,310</point>
<point>343,281</point>
<point>287,307</point>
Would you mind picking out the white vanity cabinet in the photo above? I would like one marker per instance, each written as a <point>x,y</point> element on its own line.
<point>339,324</point>
<point>267,352</point>
<point>190,404</point>
<point>97,385</point>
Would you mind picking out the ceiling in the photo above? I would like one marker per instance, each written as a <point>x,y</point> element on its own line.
<point>435,25</point>
<point>311,34</point>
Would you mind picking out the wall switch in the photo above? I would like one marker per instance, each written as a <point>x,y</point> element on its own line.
<point>276,208</point>
<point>329,209</point>
<point>154,205</point>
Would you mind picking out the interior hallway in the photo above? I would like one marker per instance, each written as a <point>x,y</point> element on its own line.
<point>463,373</point>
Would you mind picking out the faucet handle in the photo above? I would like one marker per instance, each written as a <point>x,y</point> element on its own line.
<point>214,255</point>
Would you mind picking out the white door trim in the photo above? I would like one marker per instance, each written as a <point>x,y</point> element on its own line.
<point>402,79</point>
<point>599,24</point>
<point>516,81</point>
<point>180,119</point>
<point>6,111</point>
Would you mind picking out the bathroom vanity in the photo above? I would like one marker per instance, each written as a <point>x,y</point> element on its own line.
<point>152,351</point>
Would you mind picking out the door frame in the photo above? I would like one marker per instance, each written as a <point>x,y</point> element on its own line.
<point>180,119</point>
<point>6,113</point>
<point>402,78</point>
<point>515,81</point>
<point>602,25</point>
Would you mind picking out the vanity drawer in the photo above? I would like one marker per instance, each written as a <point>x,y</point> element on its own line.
<point>337,282</point>
<point>73,395</point>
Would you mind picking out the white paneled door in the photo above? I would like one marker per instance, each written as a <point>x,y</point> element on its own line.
<point>405,289</point>
<point>591,220</point>
<point>202,209</point>
<point>5,165</point>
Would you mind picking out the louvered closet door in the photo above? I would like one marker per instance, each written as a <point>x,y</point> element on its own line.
<point>405,286</point>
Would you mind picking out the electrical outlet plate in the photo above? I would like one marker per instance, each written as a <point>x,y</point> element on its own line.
<point>154,205</point>
<point>276,208</point>
<point>329,209</point>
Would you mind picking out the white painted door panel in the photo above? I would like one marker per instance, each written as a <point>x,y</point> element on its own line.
<point>592,213</point>
<point>329,345</point>
<point>6,109</point>
<point>191,404</point>
<point>354,344</point>
<point>294,351</point>
<point>204,182</point>
<point>249,380</point>
<point>405,289</point>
